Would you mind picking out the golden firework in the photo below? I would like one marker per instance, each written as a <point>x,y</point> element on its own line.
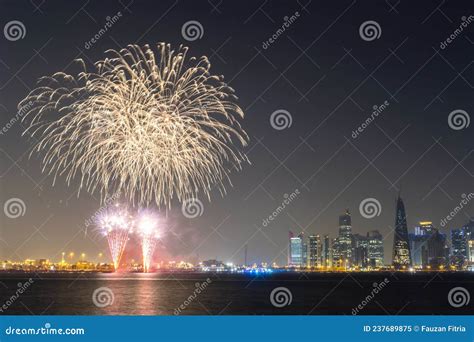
<point>149,124</point>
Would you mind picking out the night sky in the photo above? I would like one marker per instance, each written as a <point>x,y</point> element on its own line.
<point>319,70</point>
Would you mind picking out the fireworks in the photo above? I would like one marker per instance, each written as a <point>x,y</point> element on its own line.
<point>116,223</point>
<point>148,225</point>
<point>150,124</point>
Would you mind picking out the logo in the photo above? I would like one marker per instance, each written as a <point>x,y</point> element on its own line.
<point>14,208</point>
<point>281,119</point>
<point>102,297</point>
<point>370,30</point>
<point>192,30</point>
<point>192,208</point>
<point>281,297</point>
<point>370,207</point>
<point>458,296</point>
<point>14,30</point>
<point>458,119</point>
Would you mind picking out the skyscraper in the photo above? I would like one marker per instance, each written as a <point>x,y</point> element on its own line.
<point>460,244</point>
<point>401,250</point>
<point>296,253</point>
<point>360,252</point>
<point>345,238</point>
<point>336,253</point>
<point>458,247</point>
<point>327,253</point>
<point>436,251</point>
<point>375,252</point>
<point>418,248</point>
<point>315,251</point>
<point>419,244</point>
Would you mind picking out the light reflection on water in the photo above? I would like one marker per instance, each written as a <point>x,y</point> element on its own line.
<point>163,293</point>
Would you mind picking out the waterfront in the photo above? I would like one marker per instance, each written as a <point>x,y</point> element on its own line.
<point>234,294</point>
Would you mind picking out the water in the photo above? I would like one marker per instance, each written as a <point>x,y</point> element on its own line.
<point>232,294</point>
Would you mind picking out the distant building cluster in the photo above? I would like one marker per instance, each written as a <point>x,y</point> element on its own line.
<point>427,248</point>
<point>347,251</point>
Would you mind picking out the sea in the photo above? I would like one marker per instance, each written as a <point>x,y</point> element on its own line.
<point>276,293</point>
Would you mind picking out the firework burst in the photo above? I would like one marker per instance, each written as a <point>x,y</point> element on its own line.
<point>149,123</point>
<point>148,229</point>
<point>116,223</point>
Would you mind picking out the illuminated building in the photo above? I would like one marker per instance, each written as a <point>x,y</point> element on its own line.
<point>296,253</point>
<point>345,238</point>
<point>401,250</point>
<point>337,260</point>
<point>360,255</point>
<point>326,252</point>
<point>315,251</point>
<point>459,251</point>
<point>470,251</point>
<point>375,251</point>
<point>461,239</point>
<point>419,249</point>
<point>427,246</point>
<point>436,251</point>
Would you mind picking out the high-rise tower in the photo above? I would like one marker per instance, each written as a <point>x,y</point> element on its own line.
<point>345,238</point>
<point>401,249</point>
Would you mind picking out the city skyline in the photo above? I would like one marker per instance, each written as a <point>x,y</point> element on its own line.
<point>349,251</point>
<point>364,117</point>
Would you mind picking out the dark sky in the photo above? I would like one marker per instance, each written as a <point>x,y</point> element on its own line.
<point>320,70</point>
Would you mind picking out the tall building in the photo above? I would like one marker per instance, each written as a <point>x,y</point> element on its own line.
<point>296,253</point>
<point>419,244</point>
<point>418,249</point>
<point>460,244</point>
<point>375,251</point>
<point>337,261</point>
<point>304,262</point>
<point>360,251</point>
<point>327,252</point>
<point>459,251</point>
<point>345,238</point>
<point>470,252</point>
<point>401,250</point>
<point>427,246</point>
<point>315,251</point>
<point>436,249</point>
<point>469,229</point>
